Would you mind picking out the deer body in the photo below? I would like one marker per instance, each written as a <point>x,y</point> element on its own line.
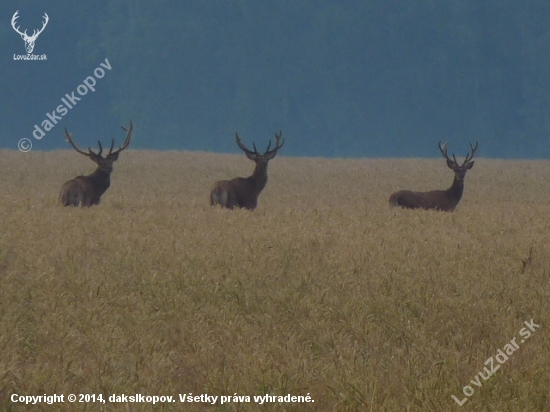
<point>244,191</point>
<point>87,190</point>
<point>241,191</point>
<point>443,200</point>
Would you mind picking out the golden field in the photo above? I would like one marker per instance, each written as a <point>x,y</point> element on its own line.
<point>322,290</point>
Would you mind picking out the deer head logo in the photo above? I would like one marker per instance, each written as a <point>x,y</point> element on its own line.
<point>29,40</point>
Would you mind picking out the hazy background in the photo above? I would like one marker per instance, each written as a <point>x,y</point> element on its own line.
<point>339,78</point>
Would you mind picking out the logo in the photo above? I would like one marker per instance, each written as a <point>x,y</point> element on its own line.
<point>29,40</point>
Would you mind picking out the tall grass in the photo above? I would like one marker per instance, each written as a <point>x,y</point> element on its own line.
<point>323,290</point>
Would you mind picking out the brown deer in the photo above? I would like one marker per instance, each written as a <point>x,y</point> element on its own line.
<point>86,191</point>
<point>444,200</point>
<point>244,191</point>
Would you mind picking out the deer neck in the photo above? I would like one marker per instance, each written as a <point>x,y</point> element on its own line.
<point>456,190</point>
<point>259,177</point>
<point>100,179</point>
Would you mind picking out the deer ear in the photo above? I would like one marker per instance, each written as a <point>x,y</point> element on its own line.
<point>451,164</point>
<point>470,165</point>
<point>114,156</point>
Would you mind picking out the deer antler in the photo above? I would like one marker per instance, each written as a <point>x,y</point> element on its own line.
<point>13,22</point>
<point>126,142</point>
<point>471,156</point>
<point>251,154</point>
<point>90,153</point>
<point>443,150</point>
<point>271,154</point>
<point>268,154</point>
<point>35,33</point>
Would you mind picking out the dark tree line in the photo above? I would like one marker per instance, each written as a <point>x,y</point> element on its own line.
<point>340,78</point>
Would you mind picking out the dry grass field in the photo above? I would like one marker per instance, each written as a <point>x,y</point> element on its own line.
<point>323,290</point>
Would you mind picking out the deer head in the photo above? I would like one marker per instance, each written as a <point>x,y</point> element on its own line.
<point>257,157</point>
<point>460,170</point>
<point>29,40</point>
<point>104,164</point>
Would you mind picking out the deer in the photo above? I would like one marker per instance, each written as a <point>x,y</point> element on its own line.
<point>442,200</point>
<point>86,191</point>
<point>29,40</point>
<point>243,192</point>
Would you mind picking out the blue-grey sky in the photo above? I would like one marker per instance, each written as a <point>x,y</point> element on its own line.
<point>339,78</point>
